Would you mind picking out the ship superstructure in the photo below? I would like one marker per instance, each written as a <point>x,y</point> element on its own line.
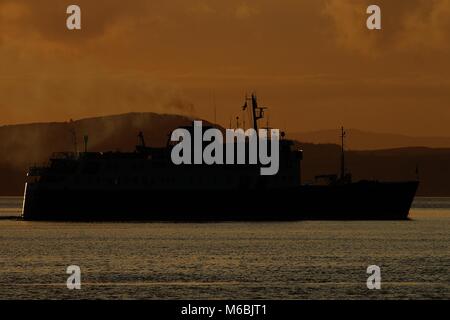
<point>147,185</point>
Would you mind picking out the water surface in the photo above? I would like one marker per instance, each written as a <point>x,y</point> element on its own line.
<point>292,260</point>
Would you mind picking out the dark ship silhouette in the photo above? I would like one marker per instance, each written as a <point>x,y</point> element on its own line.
<point>146,185</point>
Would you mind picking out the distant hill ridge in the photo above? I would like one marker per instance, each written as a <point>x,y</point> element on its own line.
<point>27,144</point>
<point>364,140</point>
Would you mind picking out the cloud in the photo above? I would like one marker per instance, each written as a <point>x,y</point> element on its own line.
<point>47,17</point>
<point>202,8</point>
<point>167,56</point>
<point>245,11</point>
<point>50,73</point>
<point>74,95</point>
<point>408,26</point>
<point>428,26</point>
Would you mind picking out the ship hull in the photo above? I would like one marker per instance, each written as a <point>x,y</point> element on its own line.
<point>355,201</point>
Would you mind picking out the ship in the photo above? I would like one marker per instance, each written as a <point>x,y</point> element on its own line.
<point>145,185</point>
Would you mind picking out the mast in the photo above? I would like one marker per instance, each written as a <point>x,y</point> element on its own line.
<point>141,138</point>
<point>86,139</point>
<point>254,108</point>
<point>343,134</point>
<point>257,112</point>
<point>213,97</point>
<point>73,132</point>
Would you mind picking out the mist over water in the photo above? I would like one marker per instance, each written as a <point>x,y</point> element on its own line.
<point>293,260</point>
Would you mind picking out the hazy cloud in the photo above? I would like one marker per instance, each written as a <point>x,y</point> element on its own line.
<point>244,11</point>
<point>306,58</point>
<point>408,25</point>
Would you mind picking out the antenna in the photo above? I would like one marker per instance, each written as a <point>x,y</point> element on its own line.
<point>343,134</point>
<point>213,98</point>
<point>74,135</point>
<point>86,139</point>
<point>244,108</point>
<point>257,112</point>
<point>141,138</point>
<point>215,113</point>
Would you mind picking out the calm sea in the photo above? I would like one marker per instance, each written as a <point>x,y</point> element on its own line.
<point>295,260</point>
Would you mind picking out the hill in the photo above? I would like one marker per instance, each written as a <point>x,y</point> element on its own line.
<point>28,144</point>
<point>363,140</point>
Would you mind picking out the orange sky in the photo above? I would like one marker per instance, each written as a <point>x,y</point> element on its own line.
<point>313,62</point>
